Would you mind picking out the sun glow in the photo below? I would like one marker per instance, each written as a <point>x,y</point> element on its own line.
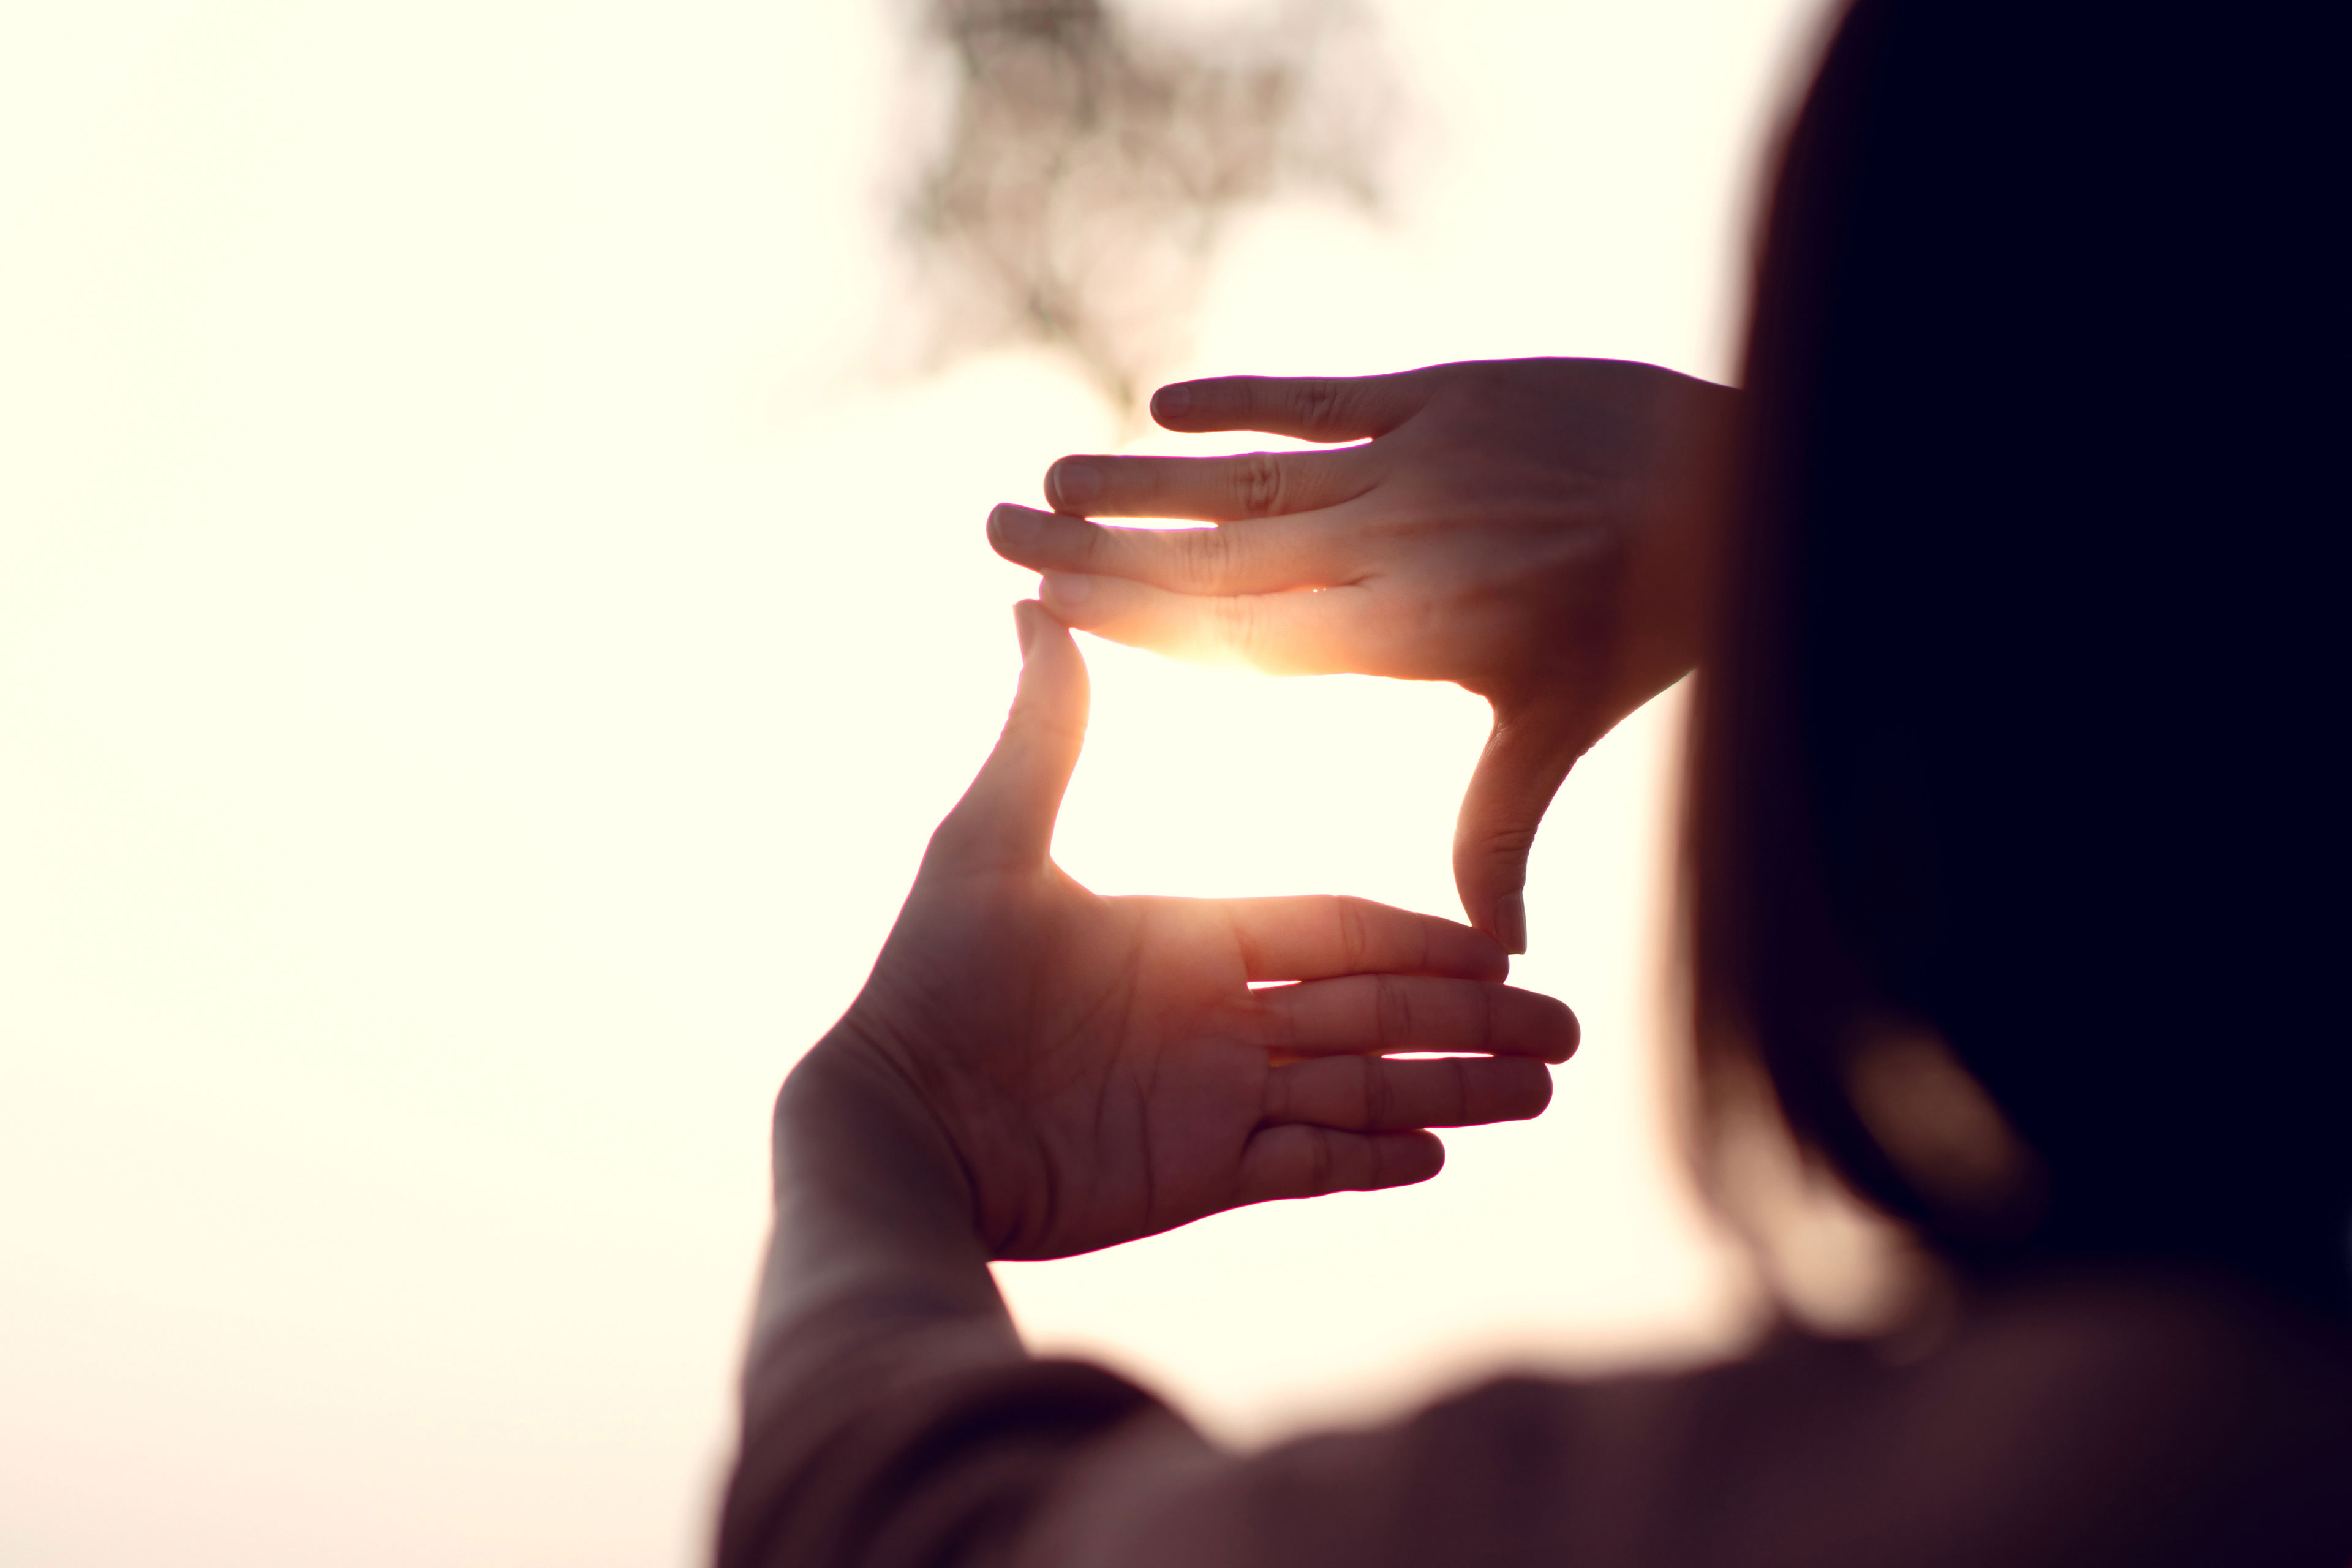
<point>481,655</point>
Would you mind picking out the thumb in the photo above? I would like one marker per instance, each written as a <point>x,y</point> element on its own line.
<point>1527,756</point>
<point>1006,818</point>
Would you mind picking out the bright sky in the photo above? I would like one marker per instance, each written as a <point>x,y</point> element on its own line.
<point>480,654</point>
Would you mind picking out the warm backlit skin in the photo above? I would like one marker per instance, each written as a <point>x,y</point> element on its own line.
<point>1073,1071</point>
<point>1532,530</point>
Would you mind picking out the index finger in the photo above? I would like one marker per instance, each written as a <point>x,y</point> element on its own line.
<point>1321,936</point>
<point>1310,407</point>
<point>1209,489</point>
<point>1254,558</point>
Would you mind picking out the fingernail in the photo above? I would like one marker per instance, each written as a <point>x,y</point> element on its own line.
<point>1071,592</point>
<point>1170,402</point>
<point>1076,483</point>
<point>1025,624</point>
<point>1013,524</point>
<point>1511,923</point>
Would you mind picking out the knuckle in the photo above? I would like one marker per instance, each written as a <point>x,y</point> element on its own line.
<point>1094,547</point>
<point>1279,1095</point>
<point>1203,558</point>
<point>1461,1092</point>
<point>965,841</point>
<point>1392,1019</point>
<point>1237,624</point>
<point>1285,1025</point>
<point>951,841</point>
<point>1320,1169</point>
<point>1506,841</point>
<point>1379,1094</point>
<point>1321,402</point>
<point>1256,482</point>
<point>1355,937</point>
<point>1034,713</point>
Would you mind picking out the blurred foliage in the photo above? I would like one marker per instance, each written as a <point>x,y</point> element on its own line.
<point>1092,158</point>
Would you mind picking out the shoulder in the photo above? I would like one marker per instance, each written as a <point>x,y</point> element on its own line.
<point>2086,1423</point>
<point>2139,1419</point>
<point>2169,1418</point>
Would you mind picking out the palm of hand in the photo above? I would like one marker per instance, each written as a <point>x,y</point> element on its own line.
<point>1103,1088</point>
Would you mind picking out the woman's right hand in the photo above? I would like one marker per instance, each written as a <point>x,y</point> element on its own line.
<point>1532,530</point>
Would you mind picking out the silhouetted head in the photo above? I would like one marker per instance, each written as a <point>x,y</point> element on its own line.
<point>2015,845</point>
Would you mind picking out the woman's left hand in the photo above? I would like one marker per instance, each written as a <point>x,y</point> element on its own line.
<point>1102,1069</point>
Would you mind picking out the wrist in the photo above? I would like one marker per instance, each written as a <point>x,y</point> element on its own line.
<point>851,1129</point>
<point>874,1238</point>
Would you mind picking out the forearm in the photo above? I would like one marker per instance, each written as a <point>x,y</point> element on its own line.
<point>889,1411</point>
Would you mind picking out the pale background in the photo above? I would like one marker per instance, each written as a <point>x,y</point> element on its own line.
<point>481,647</point>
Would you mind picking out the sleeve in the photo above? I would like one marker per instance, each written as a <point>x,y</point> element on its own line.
<point>861,1469</point>
<point>2068,1439</point>
<point>1060,1464</point>
<point>1518,1471</point>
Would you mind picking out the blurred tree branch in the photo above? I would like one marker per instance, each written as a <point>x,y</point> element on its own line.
<point>1091,163</point>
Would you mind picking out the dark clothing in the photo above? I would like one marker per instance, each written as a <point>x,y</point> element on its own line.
<point>2135,1423</point>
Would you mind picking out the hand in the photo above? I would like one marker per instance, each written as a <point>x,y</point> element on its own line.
<point>1530,529</point>
<point>1101,1068</point>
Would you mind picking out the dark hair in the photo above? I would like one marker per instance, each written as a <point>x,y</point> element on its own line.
<point>2013,847</point>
